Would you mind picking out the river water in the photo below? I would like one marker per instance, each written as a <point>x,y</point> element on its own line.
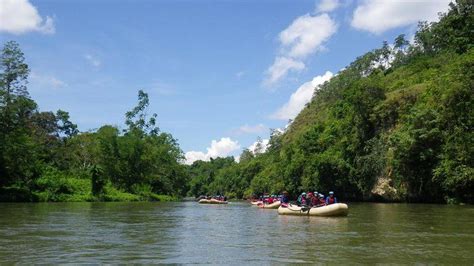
<point>187,232</point>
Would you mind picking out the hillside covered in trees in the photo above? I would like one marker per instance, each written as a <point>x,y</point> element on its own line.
<point>397,124</point>
<point>43,156</point>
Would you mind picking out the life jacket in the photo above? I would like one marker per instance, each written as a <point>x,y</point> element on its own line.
<point>314,201</point>
<point>322,202</point>
<point>303,201</point>
<point>330,200</point>
<point>270,200</point>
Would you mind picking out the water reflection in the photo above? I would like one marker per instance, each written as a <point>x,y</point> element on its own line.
<point>187,232</point>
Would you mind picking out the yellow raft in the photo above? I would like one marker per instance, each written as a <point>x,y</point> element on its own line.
<point>337,209</point>
<point>212,201</point>
<point>273,205</point>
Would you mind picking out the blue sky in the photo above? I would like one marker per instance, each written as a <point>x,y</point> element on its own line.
<point>219,73</point>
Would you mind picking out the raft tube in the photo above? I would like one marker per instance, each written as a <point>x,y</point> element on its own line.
<point>337,209</point>
<point>274,205</point>
<point>255,203</point>
<point>212,201</point>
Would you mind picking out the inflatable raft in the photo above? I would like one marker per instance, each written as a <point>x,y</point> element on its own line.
<point>212,201</point>
<point>255,203</point>
<point>337,209</point>
<point>273,205</point>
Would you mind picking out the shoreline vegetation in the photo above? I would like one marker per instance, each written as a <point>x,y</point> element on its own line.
<point>395,125</point>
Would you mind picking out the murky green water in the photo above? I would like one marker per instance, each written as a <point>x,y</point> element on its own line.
<point>187,232</point>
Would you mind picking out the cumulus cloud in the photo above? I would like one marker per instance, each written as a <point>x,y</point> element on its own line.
<point>328,5</point>
<point>94,61</point>
<point>247,129</point>
<point>377,16</point>
<point>254,149</point>
<point>306,34</point>
<point>222,148</point>
<point>20,16</point>
<point>280,69</point>
<point>300,98</point>
<point>303,37</point>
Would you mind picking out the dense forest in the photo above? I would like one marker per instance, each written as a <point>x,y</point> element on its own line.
<point>397,124</point>
<point>43,156</point>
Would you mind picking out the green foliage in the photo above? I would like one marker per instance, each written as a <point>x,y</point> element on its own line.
<point>404,115</point>
<point>44,157</point>
<point>54,185</point>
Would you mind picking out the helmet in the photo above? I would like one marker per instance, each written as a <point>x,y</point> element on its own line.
<point>304,193</point>
<point>316,193</point>
<point>331,193</point>
<point>321,195</point>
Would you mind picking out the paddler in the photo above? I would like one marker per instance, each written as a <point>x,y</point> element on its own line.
<point>285,200</point>
<point>331,199</point>
<point>322,202</point>
<point>302,199</point>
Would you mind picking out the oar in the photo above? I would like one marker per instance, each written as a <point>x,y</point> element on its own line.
<point>305,208</point>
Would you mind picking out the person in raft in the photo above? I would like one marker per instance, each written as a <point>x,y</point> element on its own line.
<point>315,199</point>
<point>309,199</point>
<point>270,200</point>
<point>285,200</point>
<point>331,199</point>
<point>302,199</point>
<point>322,202</point>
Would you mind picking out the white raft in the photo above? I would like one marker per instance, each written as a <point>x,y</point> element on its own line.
<point>273,205</point>
<point>212,201</point>
<point>336,209</point>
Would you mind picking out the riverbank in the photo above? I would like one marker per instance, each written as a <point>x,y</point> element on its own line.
<point>109,194</point>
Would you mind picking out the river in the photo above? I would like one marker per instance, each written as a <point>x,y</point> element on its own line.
<point>186,232</point>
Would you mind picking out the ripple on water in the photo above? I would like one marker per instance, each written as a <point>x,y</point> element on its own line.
<point>237,233</point>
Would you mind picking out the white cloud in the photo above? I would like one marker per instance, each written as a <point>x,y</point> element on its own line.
<point>280,69</point>
<point>192,156</point>
<point>377,16</point>
<point>43,81</point>
<point>20,16</point>
<point>328,5</point>
<point>222,148</point>
<point>306,34</point>
<point>246,129</point>
<point>300,98</point>
<point>253,147</point>
<point>303,37</point>
<point>93,60</point>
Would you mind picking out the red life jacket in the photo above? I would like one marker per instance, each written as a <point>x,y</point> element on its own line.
<point>322,201</point>
<point>331,200</point>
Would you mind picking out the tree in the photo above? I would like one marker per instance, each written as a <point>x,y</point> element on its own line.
<point>14,72</point>
<point>136,118</point>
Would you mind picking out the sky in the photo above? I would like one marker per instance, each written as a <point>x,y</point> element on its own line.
<point>219,73</point>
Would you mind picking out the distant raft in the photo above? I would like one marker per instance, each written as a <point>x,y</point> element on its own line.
<point>212,201</point>
<point>273,205</point>
<point>337,209</point>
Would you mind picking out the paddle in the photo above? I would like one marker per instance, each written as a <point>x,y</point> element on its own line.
<point>305,208</point>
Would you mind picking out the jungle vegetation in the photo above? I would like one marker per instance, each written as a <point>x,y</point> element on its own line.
<point>397,124</point>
